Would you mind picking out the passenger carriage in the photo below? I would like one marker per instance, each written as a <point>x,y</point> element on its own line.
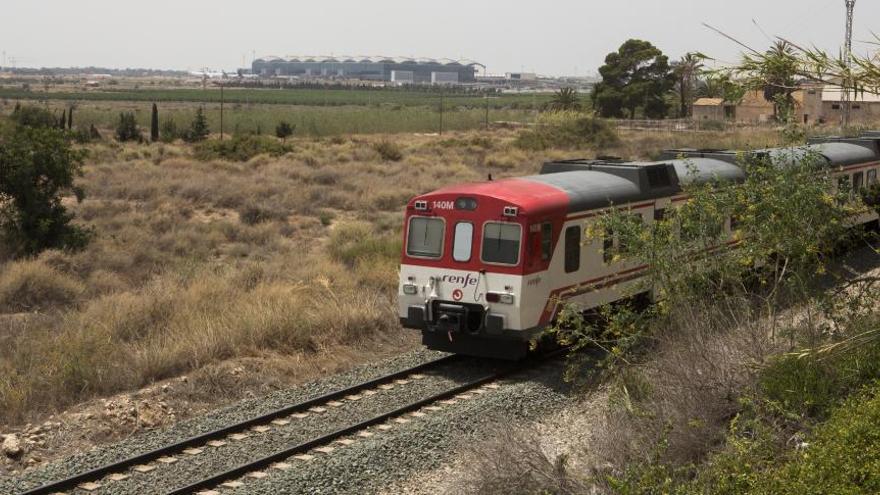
<point>486,266</point>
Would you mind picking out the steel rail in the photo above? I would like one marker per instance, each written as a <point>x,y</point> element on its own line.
<point>107,469</point>
<point>264,462</point>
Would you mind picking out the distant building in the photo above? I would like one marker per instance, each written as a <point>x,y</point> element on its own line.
<point>400,70</point>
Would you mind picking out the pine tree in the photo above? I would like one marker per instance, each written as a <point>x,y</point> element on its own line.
<point>154,124</point>
<point>199,129</point>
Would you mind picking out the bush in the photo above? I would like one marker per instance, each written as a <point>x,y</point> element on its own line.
<point>252,214</point>
<point>169,131</point>
<point>240,148</point>
<point>198,130</point>
<point>127,128</point>
<point>568,130</point>
<point>33,116</point>
<point>389,151</point>
<point>284,130</point>
<point>842,457</point>
<point>353,243</point>
<point>32,285</point>
<point>36,167</point>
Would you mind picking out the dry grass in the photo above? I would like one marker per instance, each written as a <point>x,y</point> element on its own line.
<point>198,262</point>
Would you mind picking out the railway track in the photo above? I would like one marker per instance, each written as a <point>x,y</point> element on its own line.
<point>95,479</point>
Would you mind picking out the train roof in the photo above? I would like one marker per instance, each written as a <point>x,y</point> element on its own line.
<point>582,184</point>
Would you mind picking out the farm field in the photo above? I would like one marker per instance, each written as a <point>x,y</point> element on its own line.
<point>308,97</point>
<point>309,120</point>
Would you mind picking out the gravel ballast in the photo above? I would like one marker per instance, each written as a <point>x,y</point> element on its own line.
<point>369,464</point>
<point>149,440</point>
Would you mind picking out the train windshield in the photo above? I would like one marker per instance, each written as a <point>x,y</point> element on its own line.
<point>501,243</point>
<point>425,239</point>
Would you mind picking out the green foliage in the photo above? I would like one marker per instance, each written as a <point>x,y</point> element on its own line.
<point>686,70</point>
<point>842,457</point>
<point>353,243</point>
<point>169,131</point>
<point>37,165</point>
<point>240,148</point>
<point>568,130</point>
<point>284,130</point>
<point>154,124</point>
<point>775,73</point>
<point>70,118</point>
<point>365,97</point>
<point>636,77</point>
<point>33,116</point>
<point>198,130</point>
<point>565,100</point>
<point>389,151</point>
<point>127,128</point>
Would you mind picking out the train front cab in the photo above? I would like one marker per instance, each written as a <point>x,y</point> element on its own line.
<point>462,273</point>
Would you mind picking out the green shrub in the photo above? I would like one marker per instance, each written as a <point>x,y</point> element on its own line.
<point>842,456</point>
<point>198,130</point>
<point>240,148</point>
<point>33,116</point>
<point>353,243</point>
<point>37,166</point>
<point>169,131</point>
<point>127,128</point>
<point>568,130</point>
<point>389,151</point>
<point>284,130</point>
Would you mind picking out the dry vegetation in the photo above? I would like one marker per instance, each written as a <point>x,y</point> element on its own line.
<point>199,262</point>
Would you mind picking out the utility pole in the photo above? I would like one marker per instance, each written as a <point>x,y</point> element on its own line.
<point>441,112</point>
<point>221,110</point>
<point>847,58</point>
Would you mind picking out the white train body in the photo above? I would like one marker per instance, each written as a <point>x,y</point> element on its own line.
<point>486,266</point>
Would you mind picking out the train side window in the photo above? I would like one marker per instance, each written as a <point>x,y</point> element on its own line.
<point>546,241</point>
<point>463,243</point>
<point>572,249</point>
<point>872,177</point>
<point>858,181</point>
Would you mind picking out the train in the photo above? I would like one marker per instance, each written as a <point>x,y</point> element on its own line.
<point>485,267</point>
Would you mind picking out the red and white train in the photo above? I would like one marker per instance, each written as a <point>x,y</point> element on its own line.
<point>486,266</point>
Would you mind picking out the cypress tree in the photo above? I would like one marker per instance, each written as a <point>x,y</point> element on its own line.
<point>70,119</point>
<point>63,121</point>
<point>154,124</point>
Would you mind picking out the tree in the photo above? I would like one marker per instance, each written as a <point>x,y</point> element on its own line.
<point>70,118</point>
<point>37,165</point>
<point>198,130</point>
<point>33,116</point>
<point>774,73</point>
<point>566,99</point>
<point>154,124</point>
<point>686,71</point>
<point>62,122</point>
<point>284,130</point>
<point>127,128</point>
<point>637,76</point>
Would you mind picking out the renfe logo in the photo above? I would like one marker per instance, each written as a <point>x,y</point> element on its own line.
<point>462,280</point>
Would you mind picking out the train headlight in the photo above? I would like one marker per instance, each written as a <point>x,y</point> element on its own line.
<point>498,297</point>
<point>410,289</point>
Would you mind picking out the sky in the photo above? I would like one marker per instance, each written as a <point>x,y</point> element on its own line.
<point>550,37</point>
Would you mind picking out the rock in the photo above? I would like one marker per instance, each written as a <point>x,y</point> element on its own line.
<point>12,446</point>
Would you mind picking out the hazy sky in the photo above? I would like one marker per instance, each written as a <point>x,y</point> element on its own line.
<point>549,36</point>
